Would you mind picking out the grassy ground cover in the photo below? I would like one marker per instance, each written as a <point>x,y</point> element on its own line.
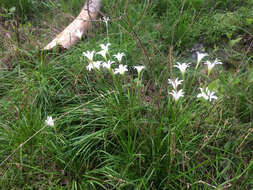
<point>129,130</point>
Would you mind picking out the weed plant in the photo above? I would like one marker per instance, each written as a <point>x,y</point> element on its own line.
<point>130,107</point>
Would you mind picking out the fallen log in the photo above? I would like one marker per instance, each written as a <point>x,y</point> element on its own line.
<point>80,25</point>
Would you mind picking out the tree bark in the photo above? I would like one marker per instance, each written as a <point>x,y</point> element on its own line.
<point>73,32</point>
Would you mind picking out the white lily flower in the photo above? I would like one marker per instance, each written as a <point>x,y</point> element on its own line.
<point>177,94</point>
<point>210,65</point>
<point>103,53</point>
<point>89,55</point>
<point>182,67</point>
<point>200,56</point>
<point>104,50</point>
<point>105,19</point>
<point>175,83</point>
<point>94,65</point>
<point>107,64</point>
<point>121,70</point>
<point>49,121</point>
<point>90,66</point>
<point>203,95</point>
<point>97,64</point>
<point>79,34</point>
<point>119,56</point>
<point>139,68</point>
<point>211,95</point>
<point>207,94</point>
<point>105,47</point>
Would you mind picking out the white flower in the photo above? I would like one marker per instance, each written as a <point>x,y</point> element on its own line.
<point>119,56</point>
<point>97,64</point>
<point>107,64</point>
<point>139,68</point>
<point>104,50</point>
<point>89,55</point>
<point>105,47</point>
<point>121,70</point>
<point>93,65</point>
<point>207,95</point>
<point>89,67</point>
<point>103,53</point>
<point>182,67</point>
<point>210,65</point>
<point>79,34</point>
<point>105,19</point>
<point>200,56</point>
<point>177,94</point>
<point>202,94</point>
<point>175,83</point>
<point>49,121</point>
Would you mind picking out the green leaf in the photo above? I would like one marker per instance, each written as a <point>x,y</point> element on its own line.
<point>250,76</point>
<point>233,80</point>
<point>249,21</point>
<point>215,85</point>
<point>227,146</point>
<point>234,42</point>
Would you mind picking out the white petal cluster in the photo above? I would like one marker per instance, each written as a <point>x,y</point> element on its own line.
<point>206,94</point>
<point>97,64</point>
<point>210,65</point>
<point>200,56</point>
<point>139,68</point>
<point>102,53</point>
<point>89,67</point>
<point>175,83</point>
<point>119,56</point>
<point>105,19</point>
<point>105,47</point>
<point>121,69</point>
<point>94,65</point>
<point>177,94</point>
<point>104,50</point>
<point>49,121</point>
<point>182,67</point>
<point>89,55</point>
<point>107,64</point>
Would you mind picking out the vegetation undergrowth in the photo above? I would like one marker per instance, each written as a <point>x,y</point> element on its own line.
<point>157,97</point>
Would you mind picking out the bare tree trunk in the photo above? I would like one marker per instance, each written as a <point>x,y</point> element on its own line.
<point>74,31</point>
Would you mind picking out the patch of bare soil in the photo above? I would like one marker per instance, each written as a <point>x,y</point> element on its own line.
<point>17,38</point>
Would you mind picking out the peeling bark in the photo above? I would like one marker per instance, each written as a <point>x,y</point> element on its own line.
<point>74,31</point>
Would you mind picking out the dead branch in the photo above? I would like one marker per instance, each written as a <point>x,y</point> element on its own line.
<point>80,25</point>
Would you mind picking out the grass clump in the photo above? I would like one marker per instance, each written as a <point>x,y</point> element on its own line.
<point>91,119</point>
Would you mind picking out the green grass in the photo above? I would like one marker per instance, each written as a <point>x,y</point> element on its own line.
<point>113,133</point>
